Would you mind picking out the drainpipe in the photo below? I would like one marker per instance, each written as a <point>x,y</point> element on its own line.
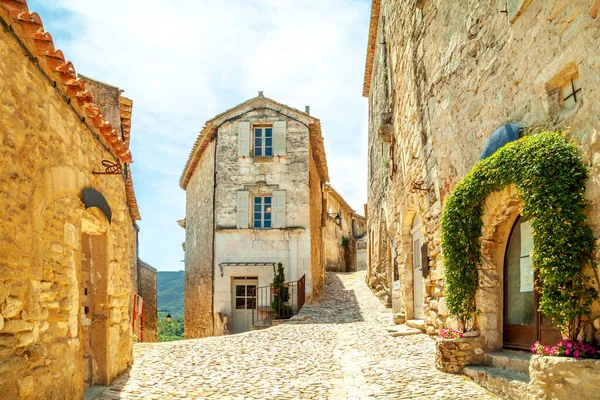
<point>214,229</point>
<point>137,256</point>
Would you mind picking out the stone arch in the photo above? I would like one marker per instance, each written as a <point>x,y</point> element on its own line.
<point>500,211</point>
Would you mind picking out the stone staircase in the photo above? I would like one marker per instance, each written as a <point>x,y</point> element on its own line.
<point>504,373</point>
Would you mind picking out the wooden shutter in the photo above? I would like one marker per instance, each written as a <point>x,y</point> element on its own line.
<point>243,138</point>
<point>279,142</point>
<point>425,260</point>
<point>278,209</point>
<point>242,209</point>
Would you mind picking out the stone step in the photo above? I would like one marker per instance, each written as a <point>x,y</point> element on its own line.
<point>504,382</point>
<point>402,330</point>
<point>260,325</point>
<point>416,323</point>
<point>517,360</point>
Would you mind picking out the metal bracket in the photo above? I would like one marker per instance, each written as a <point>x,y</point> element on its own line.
<point>111,168</point>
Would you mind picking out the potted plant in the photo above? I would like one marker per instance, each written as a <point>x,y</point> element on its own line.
<point>281,294</point>
<point>455,349</point>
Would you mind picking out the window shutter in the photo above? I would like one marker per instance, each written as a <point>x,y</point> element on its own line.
<point>278,209</point>
<point>279,138</point>
<point>425,260</point>
<point>242,209</point>
<point>243,138</point>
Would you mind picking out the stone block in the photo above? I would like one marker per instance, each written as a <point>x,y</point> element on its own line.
<point>16,325</point>
<point>25,386</point>
<point>441,307</point>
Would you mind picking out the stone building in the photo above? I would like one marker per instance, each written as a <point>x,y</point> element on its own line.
<point>146,289</point>
<point>440,78</point>
<point>254,189</point>
<point>68,248</point>
<point>342,228</point>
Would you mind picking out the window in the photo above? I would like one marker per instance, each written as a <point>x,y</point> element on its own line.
<point>262,212</point>
<point>570,93</point>
<point>263,142</point>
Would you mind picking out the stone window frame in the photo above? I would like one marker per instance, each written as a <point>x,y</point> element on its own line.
<point>553,90</point>
<point>264,127</point>
<point>264,207</point>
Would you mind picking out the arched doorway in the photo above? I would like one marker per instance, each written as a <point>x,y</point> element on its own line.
<point>523,323</point>
<point>417,241</point>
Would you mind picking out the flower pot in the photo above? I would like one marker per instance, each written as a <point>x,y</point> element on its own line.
<point>452,355</point>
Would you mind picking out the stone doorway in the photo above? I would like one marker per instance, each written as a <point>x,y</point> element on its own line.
<point>93,300</point>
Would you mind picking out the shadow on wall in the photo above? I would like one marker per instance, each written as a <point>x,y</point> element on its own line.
<point>336,305</point>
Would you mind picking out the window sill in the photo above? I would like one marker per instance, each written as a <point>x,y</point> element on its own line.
<point>264,159</point>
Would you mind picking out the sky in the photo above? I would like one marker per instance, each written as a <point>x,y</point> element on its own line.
<point>184,61</point>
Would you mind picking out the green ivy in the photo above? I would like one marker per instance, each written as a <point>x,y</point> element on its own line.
<point>550,178</point>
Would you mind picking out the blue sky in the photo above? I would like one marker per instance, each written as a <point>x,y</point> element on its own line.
<point>184,61</point>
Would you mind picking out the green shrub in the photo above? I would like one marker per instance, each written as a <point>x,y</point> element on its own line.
<point>281,294</point>
<point>550,178</point>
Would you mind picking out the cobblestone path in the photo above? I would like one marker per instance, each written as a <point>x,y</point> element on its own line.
<point>341,351</point>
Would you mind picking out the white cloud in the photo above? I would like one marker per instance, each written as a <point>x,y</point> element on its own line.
<point>184,61</point>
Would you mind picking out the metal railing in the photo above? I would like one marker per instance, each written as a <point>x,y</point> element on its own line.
<point>277,301</point>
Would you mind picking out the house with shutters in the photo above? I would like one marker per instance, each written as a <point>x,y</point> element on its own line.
<point>254,186</point>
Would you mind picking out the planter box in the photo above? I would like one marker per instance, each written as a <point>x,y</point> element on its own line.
<point>452,355</point>
<point>564,378</point>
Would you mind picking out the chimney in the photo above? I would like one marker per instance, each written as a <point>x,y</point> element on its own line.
<point>307,110</point>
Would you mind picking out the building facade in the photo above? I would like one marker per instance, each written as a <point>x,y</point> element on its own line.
<point>343,226</point>
<point>254,189</point>
<point>441,78</point>
<point>68,248</point>
<point>147,329</point>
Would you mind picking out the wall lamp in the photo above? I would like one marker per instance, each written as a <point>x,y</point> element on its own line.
<point>168,318</point>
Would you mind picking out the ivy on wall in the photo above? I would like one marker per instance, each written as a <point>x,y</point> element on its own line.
<point>550,178</point>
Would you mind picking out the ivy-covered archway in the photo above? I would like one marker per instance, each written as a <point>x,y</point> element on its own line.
<point>550,178</point>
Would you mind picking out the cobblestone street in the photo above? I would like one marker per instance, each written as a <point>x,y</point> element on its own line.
<point>341,350</point>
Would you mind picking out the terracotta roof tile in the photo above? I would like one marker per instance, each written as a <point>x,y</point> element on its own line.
<point>30,30</point>
<point>126,108</point>
<point>130,194</point>
<point>373,28</point>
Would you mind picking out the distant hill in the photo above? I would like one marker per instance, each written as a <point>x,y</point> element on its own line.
<point>170,292</point>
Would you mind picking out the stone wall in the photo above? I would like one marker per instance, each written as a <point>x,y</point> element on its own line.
<point>563,378</point>
<point>65,272</point>
<point>450,74</point>
<point>148,293</point>
<point>334,234</point>
<point>317,236</point>
<point>199,231</point>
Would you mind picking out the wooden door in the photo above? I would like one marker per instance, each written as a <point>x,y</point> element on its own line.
<point>418,308</point>
<point>242,303</point>
<point>523,323</point>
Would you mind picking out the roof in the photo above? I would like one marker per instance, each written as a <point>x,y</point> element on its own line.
<point>130,196</point>
<point>372,44</point>
<point>146,265</point>
<point>259,102</point>
<point>338,196</point>
<point>28,28</point>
